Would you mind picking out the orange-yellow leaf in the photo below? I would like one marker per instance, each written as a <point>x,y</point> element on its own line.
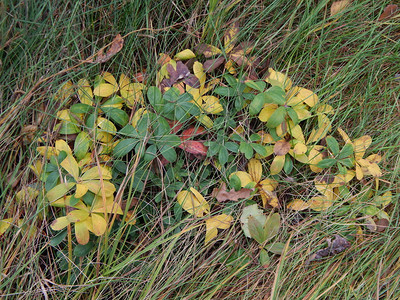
<point>222,221</point>
<point>193,202</point>
<point>77,215</point>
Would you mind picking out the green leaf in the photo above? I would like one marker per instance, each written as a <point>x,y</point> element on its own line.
<point>81,145</point>
<point>59,190</point>
<point>69,128</point>
<point>346,151</point>
<point>231,146</point>
<point>116,115</point>
<point>169,153</point>
<point>171,95</point>
<point>58,238</point>
<point>255,137</point>
<point>223,155</point>
<point>213,149</point>
<point>129,131</point>
<point>246,149</point>
<point>333,145</point>
<point>276,248</point>
<point>235,183</point>
<point>225,91</point>
<point>293,115</point>
<point>257,104</point>
<point>256,85</point>
<point>275,94</point>
<point>83,250</point>
<point>51,180</point>
<point>155,98</point>
<point>288,165</point>
<point>124,147</point>
<point>277,117</point>
<point>232,81</point>
<point>254,211</point>
<point>161,128</point>
<point>171,140</point>
<point>81,108</point>
<point>265,260</point>
<point>326,163</point>
<point>151,153</point>
<point>370,210</point>
<point>260,149</point>
<point>236,137</point>
<point>348,162</point>
<point>271,226</point>
<point>256,230</point>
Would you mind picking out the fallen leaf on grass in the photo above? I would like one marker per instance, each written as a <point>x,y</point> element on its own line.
<point>116,46</point>
<point>191,132</point>
<point>221,194</point>
<point>336,246</point>
<point>389,12</point>
<point>338,6</point>
<point>194,147</point>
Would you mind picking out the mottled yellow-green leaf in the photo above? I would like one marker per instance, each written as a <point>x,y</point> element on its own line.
<point>47,151</point>
<point>277,164</point>
<point>268,197</point>
<point>222,221</point>
<point>59,190</point>
<point>96,187</point>
<point>99,224</point>
<point>298,205</point>
<point>109,78</point>
<point>302,112</point>
<point>26,194</point>
<point>325,109</point>
<point>383,200</point>
<point>77,215</point>
<point>81,190</point>
<point>314,157</point>
<point>85,92</point>
<point>205,120</point>
<point>106,125</point>
<point>360,145</point>
<point>300,148</point>
<point>296,132</point>
<point>108,206</point>
<point>185,55</point>
<point>71,166</point>
<point>60,223</point>
<point>319,203</point>
<point>245,178</point>
<point>138,115</point>
<point>82,233</point>
<point>267,111</point>
<point>254,211</point>
<point>279,79</point>
<point>193,202</point>
<point>211,105</point>
<point>62,145</point>
<point>4,225</point>
<point>255,169</point>
<point>97,173</point>
<point>133,93</point>
<point>124,81</point>
<point>271,226</point>
<point>344,135</point>
<point>105,90</point>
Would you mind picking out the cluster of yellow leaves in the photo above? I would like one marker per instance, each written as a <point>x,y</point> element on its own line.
<point>252,179</point>
<point>195,204</point>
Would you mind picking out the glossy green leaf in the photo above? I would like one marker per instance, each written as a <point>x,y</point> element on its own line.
<point>82,144</point>
<point>256,85</point>
<point>81,108</point>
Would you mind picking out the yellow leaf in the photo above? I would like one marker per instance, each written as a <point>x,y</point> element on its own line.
<point>255,169</point>
<point>205,120</point>
<point>62,145</point>
<point>4,225</point>
<point>60,223</point>
<point>71,166</point>
<point>95,187</point>
<point>317,135</point>
<point>185,55</point>
<point>325,109</point>
<point>193,202</point>
<point>109,78</point>
<point>82,233</point>
<point>106,125</point>
<point>300,148</point>
<point>298,204</point>
<point>314,157</point>
<point>344,136</point>
<point>308,97</point>
<point>65,91</point>
<point>108,206</point>
<point>296,132</point>
<point>374,158</point>
<point>132,94</point>
<point>85,92</point>
<point>105,90</point>
<point>277,164</point>
<point>267,111</point>
<point>59,190</point>
<point>198,71</point>
<point>302,112</point>
<point>319,203</point>
<point>230,37</point>
<point>138,114</point>
<point>211,105</point>
<point>360,145</point>
<point>230,67</point>
<point>374,170</point>
<point>97,173</point>
<point>339,6</point>
<point>124,81</point>
<point>26,194</point>
<point>222,221</point>
<point>81,190</point>
<point>359,172</point>
<point>99,224</point>
<point>245,178</point>
<point>77,215</point>
<point>279,79</point>
<point>47,151</point>
<point>383,200</point>
<point>268,184</point>
<point>269,197</point>
<point>325,189</point>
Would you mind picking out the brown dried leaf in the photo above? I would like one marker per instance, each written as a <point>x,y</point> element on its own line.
<point>389,12</point>
<point>207,50</point>
<point>212,64</point>
<point>281,148</point>
<point>221,194</point>
<point>192,81</point>
<point>116,46</point>
<point>181,72</point>
<point>336,246</point>
<point>381,225</point>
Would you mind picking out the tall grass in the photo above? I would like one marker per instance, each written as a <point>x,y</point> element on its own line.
<point>351,63</point>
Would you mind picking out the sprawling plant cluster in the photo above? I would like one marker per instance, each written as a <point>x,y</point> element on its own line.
<point>253,131</point>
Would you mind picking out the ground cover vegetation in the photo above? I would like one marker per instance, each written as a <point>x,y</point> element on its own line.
<point>216,150</point>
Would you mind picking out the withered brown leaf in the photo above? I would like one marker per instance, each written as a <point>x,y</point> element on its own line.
<point>389,12</point>
<point>221,194</point>
<point>339,244</point>
<point>116,46</point>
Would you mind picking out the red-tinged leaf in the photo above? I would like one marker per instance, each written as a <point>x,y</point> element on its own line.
<point>192,132</point>
<point>175,126</point>
<point>194,147</point>
<point>116,46</point>
<point>211,64</point>
<point>389,12</point>
<point>140,77</point>
<point>222,194</point>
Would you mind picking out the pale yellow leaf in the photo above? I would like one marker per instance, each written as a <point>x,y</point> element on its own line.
<point>59,190</point>
<point>277,164</point>
<point>205,120</point>
<point>109,78</point>
<point>279,79</point>
<point>99,224</point>
<point>255,169</point>
<point>108,206</point>
<point>105,90</point>
<point>96,187</point>
<point>193,202</point>
<point>4,225</point>
<point>62,145</point>
<point>298,205</point>
<point>60,223</point>
<point>81,190</point>
<point>77,215</point>
<point>339,6</point>
<point>97,173</point>
<point>185,55</point>
<point>71,166</point>
<point>360,145</point>
<point>319,203</point>
<point>222,221</point>
<point>82,233</point>
<point>85,92</point>
<point>211,105</point>
<point>267,111</point>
